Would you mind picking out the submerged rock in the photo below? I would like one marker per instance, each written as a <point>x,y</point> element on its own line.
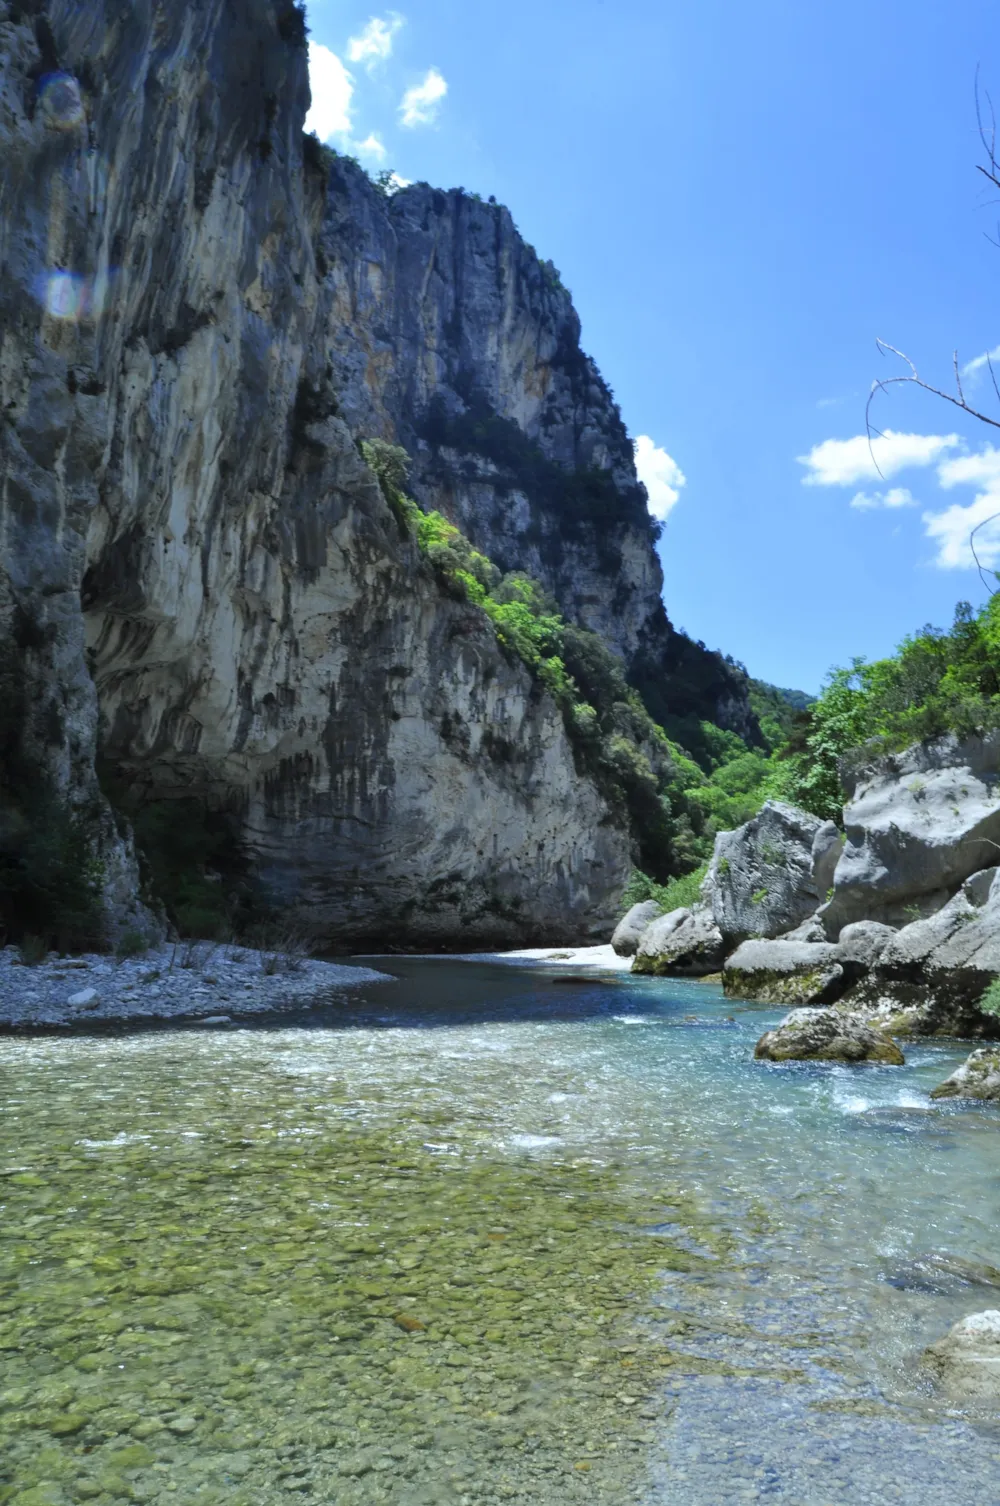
<point>771,874</point>
<point>966,1362</point>
<point>685,943</point>
<point>942,1274</point>
<point>633,926</point>
<point>827,1035</point>
<point>979,1077</point>
<point>785,972</point>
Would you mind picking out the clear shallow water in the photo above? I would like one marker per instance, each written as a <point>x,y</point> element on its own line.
<point>484,1235</point>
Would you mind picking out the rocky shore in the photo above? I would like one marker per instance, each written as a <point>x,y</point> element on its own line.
<point>195,981</point>
<point>891,929</point>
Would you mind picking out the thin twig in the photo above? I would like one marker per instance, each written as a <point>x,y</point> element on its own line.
<point>917,381</point>
<point>989,142</point>
<point>991,587</point>
<point>993,375</point>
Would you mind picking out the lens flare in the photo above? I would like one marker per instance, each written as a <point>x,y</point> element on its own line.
<point>70,297</point>
<point>60,101</point>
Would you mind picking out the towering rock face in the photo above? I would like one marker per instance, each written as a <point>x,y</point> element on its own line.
<point>451,336</point>
<point>201,581</point>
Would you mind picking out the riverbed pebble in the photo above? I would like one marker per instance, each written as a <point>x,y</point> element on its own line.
<point>202,982</point>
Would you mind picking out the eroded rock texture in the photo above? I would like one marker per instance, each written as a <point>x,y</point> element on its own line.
<point>202,581</point>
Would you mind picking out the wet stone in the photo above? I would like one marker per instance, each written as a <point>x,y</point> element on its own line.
<point>225,1288</point>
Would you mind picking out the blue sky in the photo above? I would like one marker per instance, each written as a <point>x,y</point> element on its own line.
<point>742,199</point>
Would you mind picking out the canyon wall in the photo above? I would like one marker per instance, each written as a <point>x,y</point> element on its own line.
<point>201,583</point>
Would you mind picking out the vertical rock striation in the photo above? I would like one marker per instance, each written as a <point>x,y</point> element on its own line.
<point>451,336</point>
<point>201,582</point>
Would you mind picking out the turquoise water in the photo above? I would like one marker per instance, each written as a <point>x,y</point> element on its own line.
<point>484,1234</point>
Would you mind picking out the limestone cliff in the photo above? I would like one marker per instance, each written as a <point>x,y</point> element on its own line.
<point>450,335</point>
<point>201,581</point>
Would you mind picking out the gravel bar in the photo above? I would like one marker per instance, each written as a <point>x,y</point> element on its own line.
<point>200,981</point>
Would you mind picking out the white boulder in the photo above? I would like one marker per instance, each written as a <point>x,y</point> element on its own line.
<point>772,873</point>
<point>966,1362</point>
<point>633,926</point>
<point>918,823</point>
<point>685,943</point>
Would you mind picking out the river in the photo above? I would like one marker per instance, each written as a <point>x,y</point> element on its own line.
<point>484,1234</point>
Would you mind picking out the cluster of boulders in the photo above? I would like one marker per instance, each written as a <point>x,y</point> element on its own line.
<point>890,929</point>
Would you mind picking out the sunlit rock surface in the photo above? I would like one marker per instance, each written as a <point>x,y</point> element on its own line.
<point>771,874</point>
<point>202,581</point>
<point>966,1362</point>
<point>827,1035</point>
<point>979,1077</point>
<point>918,824</point>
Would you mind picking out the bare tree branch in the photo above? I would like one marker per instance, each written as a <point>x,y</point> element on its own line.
<point>987,125</point>
<point>993,375</point>
<point>991,586</point>
<point>915,379</point>
<point>988,138</point>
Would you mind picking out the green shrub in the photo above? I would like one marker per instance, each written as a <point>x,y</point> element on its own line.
<point>292,23</point>
<point>51,882</point>
<point>937,681</point>
<point>674,804</point>
<point>679,893</point>
<point>33,951</point>
<point>192,864</point>
<point>758,897</point>
<point>990,1001</point>
<point>132,943</point>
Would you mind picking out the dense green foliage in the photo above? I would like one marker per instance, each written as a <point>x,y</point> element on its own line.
<point>50,881</point>
<point>990,1002</point>
<point>937,681</point>
<point>679,892</point>
<point>186,850</point>
<point>584,497</point>
<point>675,803</point>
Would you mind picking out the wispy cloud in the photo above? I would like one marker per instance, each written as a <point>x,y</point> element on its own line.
<point>971,470</point>
<point>661,476</point>
<point>974,367</point>
<point>332,93</point>
<point>373,148</point>
<point>373,45</point>
<point>845,462</point>
<point>952,528</point>
<point>897,496</point>
<point>420,104</point>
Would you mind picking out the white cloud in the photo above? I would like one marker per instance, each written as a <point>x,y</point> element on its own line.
<point>373,45</point>
<point>951,529</point>
<point>332,92</point>
<point>661,476</point>
<point>897,496</point>
<point>974,367</point>
<point>420,104</point>
<point>372,147</point>
<point>843,462</point>
<point>971,470</point>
